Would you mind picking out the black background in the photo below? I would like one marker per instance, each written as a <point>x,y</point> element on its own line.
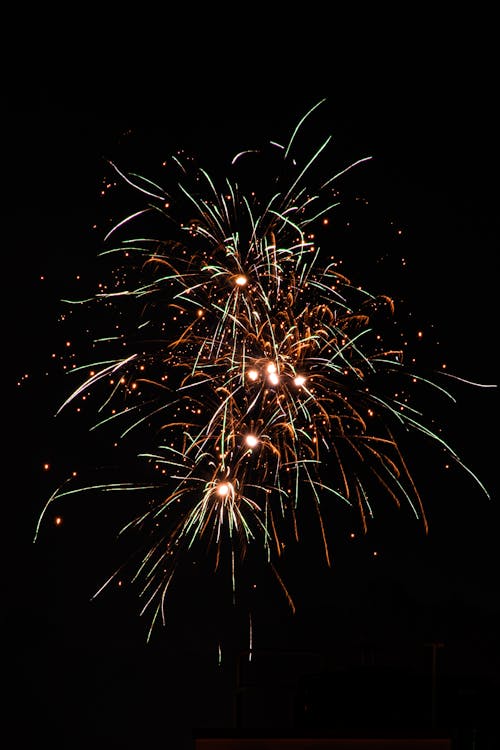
<point>418,98</point>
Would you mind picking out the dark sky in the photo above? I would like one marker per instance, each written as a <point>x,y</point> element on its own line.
<point>82,672</point>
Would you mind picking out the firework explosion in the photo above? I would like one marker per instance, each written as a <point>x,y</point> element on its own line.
<point>256,371</point>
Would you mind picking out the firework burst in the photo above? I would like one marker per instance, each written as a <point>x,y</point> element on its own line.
<point>255,369</point>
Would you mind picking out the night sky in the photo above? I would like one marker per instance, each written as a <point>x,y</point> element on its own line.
<point>357,656</point>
